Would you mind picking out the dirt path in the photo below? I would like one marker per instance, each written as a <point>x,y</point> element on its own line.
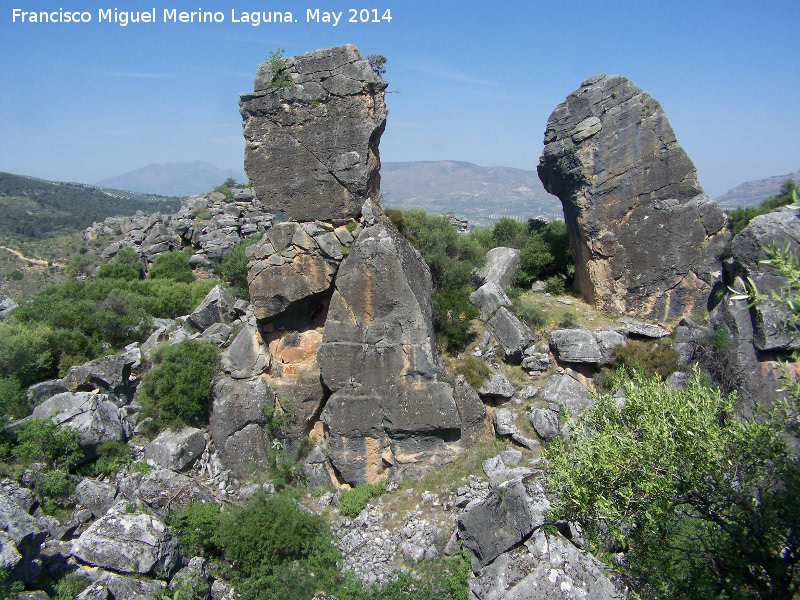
<point>36,261</point>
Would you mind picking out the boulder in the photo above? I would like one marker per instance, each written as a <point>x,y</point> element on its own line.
<point>175,450</point>
<point>43,390</point>
<point>7,306</point>
<point>286,269</point>
<point>513,335</point>
<point>503,422</point>
<point>162,490</point>
<point>109,374</point>
<point>496,387</point>
<point>780,228</point>
<point>378,358</point>
<point>311,148</point>
<point>545,422</point>
<point>562,391</point>
<point>107,586</point>
<point>499,472</point>
<point>217,307</point>
<point>128,543</point>
<point>575,346</point>
<point>488,298</point>
<point>608,340</point>
<point>504,518</point>
<point>501,264</point>
<point>239,423</point>
<point>95,495</point>
<point>548,567</point>
<point>646,239</point>
<point>645,330</point>
<point>470,409</point>
<point>315,468</point>
<point>94,416</point>
<point>247,356</point>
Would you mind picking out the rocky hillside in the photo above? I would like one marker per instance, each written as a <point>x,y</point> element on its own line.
<point>312,437</point>
<point>751,193</point>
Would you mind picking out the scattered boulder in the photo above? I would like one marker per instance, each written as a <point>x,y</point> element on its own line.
<point>162,490</point>
<point>646,239</point>
<point>239,423</point>
<point>645,330</point>
<point>247,356</point>
<point>175,450</point>
<point>109,374</point>
<point>488,298</point>
<point>562,391</point>
<point>7,306</point>
<point>608,340</point>
<point>575,346</point>
<point>501,264</point>
<point>311,148</point>
<point>496,387</point>
<point>503,421</point>
<point>315,468</point>
<point>217,307</point>
<point>128,543</point>
<point>545,422</point>
<point>504,518</point>
<point>471,410</point>
<point>95,495</point>
<point>512,334</point>
<point>94,416</point>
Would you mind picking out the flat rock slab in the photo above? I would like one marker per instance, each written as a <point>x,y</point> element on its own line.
<point>564,392</point>
<point>575,346</point>
<point>501,264</point>
<point>175,450</point>
<point>128,543</point>
<point>504,518</point>
<point>94,416</point>
<point>488,298</point>
<point>513,335</point>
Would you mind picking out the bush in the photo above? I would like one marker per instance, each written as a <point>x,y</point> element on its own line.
<point>171,265</point>
<point>117,270</point>
<point>25,351</point>
<point>225,191</point>
<point>277,549</point>
<point>705,500</point>
<point>196,525</point>
<point>41,440</point>
<point>15,275</point>
<point>452,313</point>
<point>568,321</point>
<point>234,267</point>
<point>13,404</point>
<point>649,358</point>
<point>111,458</point>
<point>176,390</point>
<point>555,285</point>
<point>352,502</point>
<point>532,315</point>
<point>53,484</point>
<point>474,370</point>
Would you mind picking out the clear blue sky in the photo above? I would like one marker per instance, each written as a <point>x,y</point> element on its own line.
<point>474,81</point>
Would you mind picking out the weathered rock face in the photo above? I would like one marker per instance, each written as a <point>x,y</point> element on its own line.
<point>646,239</point>
<point>312,147</point>
<point>377,356</point>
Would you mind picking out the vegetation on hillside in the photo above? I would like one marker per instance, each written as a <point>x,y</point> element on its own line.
<point>64,207</point>
<point>740,217</point>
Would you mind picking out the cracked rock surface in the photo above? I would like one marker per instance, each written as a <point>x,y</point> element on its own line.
<point>646,238</point>
<point>312,147</point>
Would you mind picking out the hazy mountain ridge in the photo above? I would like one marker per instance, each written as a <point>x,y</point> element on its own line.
<point>173,178</point>
<point>481,194</point>
<point>752,193</point>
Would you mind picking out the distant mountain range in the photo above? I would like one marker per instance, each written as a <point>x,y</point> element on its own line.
<point>173,179</point>
<point>480,194</point>
<point>752,193</point>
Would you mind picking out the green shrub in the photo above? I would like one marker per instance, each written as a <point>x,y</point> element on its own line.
<point>225,191</point>
<point>234,267</point>
<point>568,321</point>
<point>352,502</point>
<point>41,440</point>
<point>196,525</point>
<point>53,484</point>
<point>15,275</point>
<point>474,370</point>
<point>269,531</point>
<point>25,351</point>
<point>203,214</point>
<point>397,219</point>
<point>555,285</point>
<point>532,315</point>
<point>171,265</point>
<point>277,66</point>
<point>452,313</point>
<point>111,457</point>
<point>705,499</point>
<point>176,390</point>
<point>117,270</point>
<point>13,404</point>
<point>650,358</point>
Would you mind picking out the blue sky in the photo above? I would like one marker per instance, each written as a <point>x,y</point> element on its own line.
<point>473,81</point>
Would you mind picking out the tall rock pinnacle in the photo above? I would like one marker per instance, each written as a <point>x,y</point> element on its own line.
<point>646,239</point>
<point>312,128</point>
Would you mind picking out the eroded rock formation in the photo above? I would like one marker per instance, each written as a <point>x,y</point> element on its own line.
<point>312,146</point>
<point>646,239</point>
